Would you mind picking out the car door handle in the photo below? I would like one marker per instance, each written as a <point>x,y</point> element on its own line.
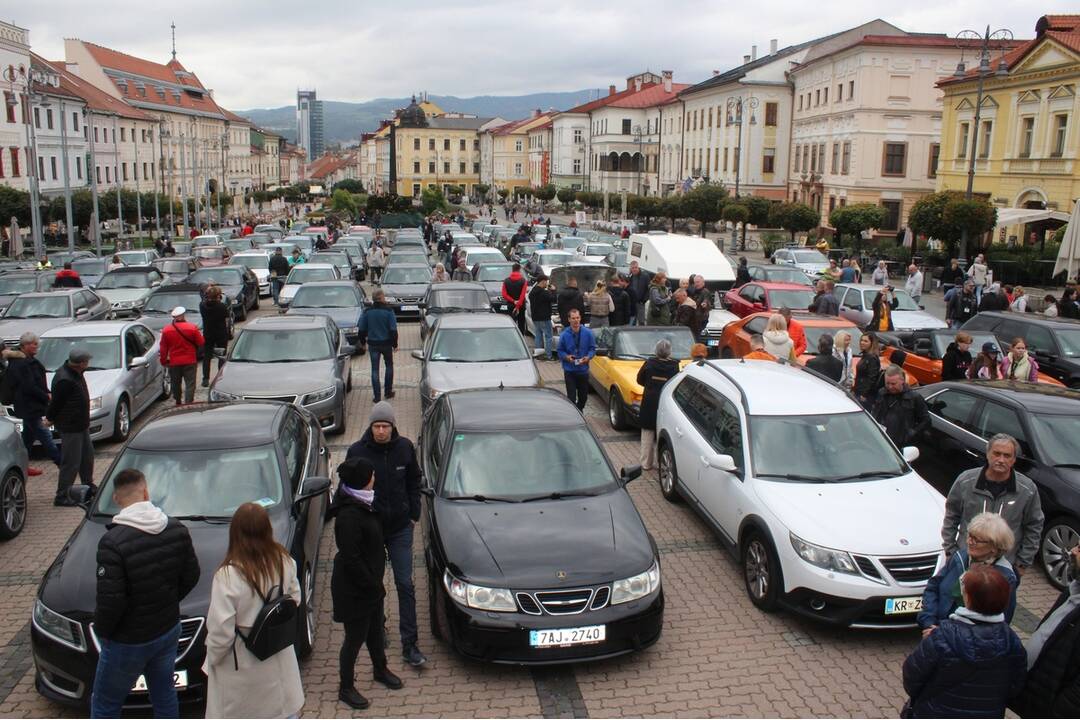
<point>678,431</point>
<point>971,452</point>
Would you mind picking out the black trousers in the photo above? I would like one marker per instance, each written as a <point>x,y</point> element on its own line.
<point>368,629</point>
<point>577,388</point>
<point>207,357</point>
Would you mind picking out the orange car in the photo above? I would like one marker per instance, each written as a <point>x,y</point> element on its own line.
<point>735,340</point>
<point>924,350</point>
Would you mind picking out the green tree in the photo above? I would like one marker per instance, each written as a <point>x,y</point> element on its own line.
<point>343,201</point>
<point>14,203</point>
<point>735,213</point>
<point>566,196</point>
<point>705,203</point>
<point>352,186</point>
<point>401,203</point>
<point>945,215</point>
<point>591,200</point>
<point>521,191</point>
<point>503,193</point>
<point>644,207</point>
<point>975,217</point>
<point>482,189</point>
<point>794,217</point>
<point>854,219</point>
<point>545,193</point>
<point>1059,234</point>
<point>432,200</point>
<point>377,203</point>
<point>759,213</point>
<point>672,207</point>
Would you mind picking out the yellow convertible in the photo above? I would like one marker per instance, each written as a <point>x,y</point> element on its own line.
<point>620,353</point>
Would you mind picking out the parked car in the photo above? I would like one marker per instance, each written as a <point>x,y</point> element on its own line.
<point>451,297</point>
<point>59,258</point>
<point>340,260</point>
<point>620,353</point>
<point>550,563</point>
<point>14,463</point>
<point>37,312</point>
<point>340,300</point>
<point>125,376</point>
<point>301,360</point>
<point>1045,421</point>
<point>779,274</point>
<point>204,461</point>
<point>476,254</point>
<point>213,256</point>
<point>274,231</point>
<point>90,269</point>
<point>409,256</point>
<point>239,286</point>
<point>586,275</point>
<point>810,261</point>
<point>1055,342</point>
<point>491,276</point>
<point>523,250</point>
<point>157,313</point>
<point>300,274</point>
<point>258,262</point>
<point>241,244</point>
<point>593,252</point>
<point>545,261</point>
<point>474,350</point>
<point>856,302</point>
<point>182,247</point>
<point>127,288</point>
<point>824,513</point>
<point>756,297</point>
<point>405,286</point>
<point>305,242</point>
<point>923,350</point>
<point>134,258</point>
<point>13,284</point>
<point>287,246</point>
<point>206,241</point>
<point>175,269</point>
<point>257,240</point>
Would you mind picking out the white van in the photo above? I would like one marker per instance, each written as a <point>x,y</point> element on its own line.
<point>680,256</point>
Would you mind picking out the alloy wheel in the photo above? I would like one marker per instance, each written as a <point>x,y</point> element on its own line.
<point>1057,543</point>
<point>13,503</point>
<point>757,569</point>
<point>309,606</point>
<point>123,420</point>
<point>667,472</point>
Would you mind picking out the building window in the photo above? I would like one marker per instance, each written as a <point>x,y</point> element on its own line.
<point>75,122</point>
<point>416,189</point>
<point>461,166</point>
<point>476,144</point>
<point>845,162</point>
<point>431,168</point>
<point>735,159</point>
<point>517,169</point>
<point>817,97</point>
<point>97,174</point>
<point>41,168</point>
<point>48,118</point>
<point>770,114</point>
<point>813,159</point>
<point>805,159</point>
<point>825,96</point>
<point>1027,136</point>
<point>894,160</point>
<point>577,137</point>
<point>798,157</point>
<point>416,144</point>
<point>431,144</point>
<point>446,168</point>
<point>1061,125</point>
<point>446,144</point>
<point>839,92</point>
<point>517,146</point>
<point>78,167</point>
<point>577,167</point>
<point>52,166</point>
<point>123,134</point>
<point>768,160</point>
<point>962,145</point>
<point>1,165</point>
<point>851,90</point>
<point>476,168</point>
<point>9,103</point>
<point>835,158</point>
<point>416,168</point>
<point>37,118</point>
<point>725,159</point>
<point>144,173</point>
<point>832,203</point>
<point>626,126</point>
<point>892,214</point>
<point>710,118</point>
<point>800,101</point>
<point>461,146</point>
<point>935,154</point>
<point>984,141</point>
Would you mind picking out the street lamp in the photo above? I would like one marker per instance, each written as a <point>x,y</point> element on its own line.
<point>24,77</point>
<point>735,117</point>
<point>638,132</point>
<point>1002,37</point>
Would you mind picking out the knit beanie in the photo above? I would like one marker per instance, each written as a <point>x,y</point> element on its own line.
<point>382,412</point>
<point>355,472</point>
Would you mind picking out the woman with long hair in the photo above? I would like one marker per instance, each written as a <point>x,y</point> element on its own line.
<point>215,317</point>
<point>1017,364</point>
<point>256,566</point>
<point>777,340</point>
<point>842,350</point>
<point>868,371</point>
<point>985,366</point>
<point>600,304</point>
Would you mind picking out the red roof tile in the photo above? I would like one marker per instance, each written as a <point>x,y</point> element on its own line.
<point>600,102</point>
<point>95,98</point>
<point>649,96</point>
<point>233,117</point>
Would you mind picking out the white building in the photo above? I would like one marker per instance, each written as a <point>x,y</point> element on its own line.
<point>14,138</point>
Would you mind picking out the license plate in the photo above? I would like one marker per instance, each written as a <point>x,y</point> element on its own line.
<point>712,343</point>
<point>565,637</point>
<point>179,679</point>
<point>903,605</point>
<point>410,308</point>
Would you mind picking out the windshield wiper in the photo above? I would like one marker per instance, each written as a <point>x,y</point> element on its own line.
<point>559,496</point>
<point>1067,465</point>
<point>796,477</point>
<point>867,474</point>
<point>34,317</point>
<point>204,518</point>
<point>480,498</point>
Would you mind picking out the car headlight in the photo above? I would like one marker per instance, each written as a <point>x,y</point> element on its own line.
<point>319,395</point>
<point>95,403</point>
<point>61,629</point>
<point>221,396</point>
<point>835,560</point>
<point>636,587</point>
<point>477,596</point>
<point>390,299</point>
<point>348,328</point>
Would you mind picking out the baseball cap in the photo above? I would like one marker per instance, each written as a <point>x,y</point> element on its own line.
<point>989,347</point>
<point>178,311</point>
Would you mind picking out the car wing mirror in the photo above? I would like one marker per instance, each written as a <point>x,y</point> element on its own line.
<point>418,354</point>
<point>429,492</point>
<point>82,312</point>
<point>137,362</point>
<point>541,352</point>
<point>311,487</point>
<point>910,453</point>
<point>81,495</point>
<point>219,352</point>
<point>721,462</point>
<point>346,351</point>
<point>633,472</point>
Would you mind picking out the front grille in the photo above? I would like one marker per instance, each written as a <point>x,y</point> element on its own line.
<point>280,398</point>
<point>528,604</point>
<point>911,569</point>
<point>600,599</point>
<point>866,565</point>
<point>564,602</point>
<point>190,628</point>
<point>12,344</point>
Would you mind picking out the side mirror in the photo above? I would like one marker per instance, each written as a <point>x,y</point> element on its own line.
<point>312,487</point>
<point>627,474</point>
<point>428,492</point>
<point>346,351</point>
<point>603,351</point>
<point>910,453</point>
<point>721,462</point>
<point>82,312</point>
<point>156,283</point>
<point>422,305</point>
<point>137,362</point>
<point>418,354</point>
<point>81,495</point>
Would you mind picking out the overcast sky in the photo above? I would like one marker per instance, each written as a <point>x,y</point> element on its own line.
<point>256,54</point>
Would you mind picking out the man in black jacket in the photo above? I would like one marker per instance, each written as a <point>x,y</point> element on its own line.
<point>146,565</point>
<point>30,392</point>
<point>570,298</point>
<point>624,304</point>
<point>541,298</point>
<point>69,411</point>
<point>397,500</point>
<point>963,306</point>
<point>900,411</point>
<point>638,287</point>
<point>279,270</point>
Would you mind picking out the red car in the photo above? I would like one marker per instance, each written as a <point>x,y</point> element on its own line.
<point>754,297</point>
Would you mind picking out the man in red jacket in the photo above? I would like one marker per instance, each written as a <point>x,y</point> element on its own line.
<point>180,343</point>
<point>514,291</point>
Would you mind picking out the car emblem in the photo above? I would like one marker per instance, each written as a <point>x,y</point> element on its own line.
<point>561,574</point>
<point>903,541</point>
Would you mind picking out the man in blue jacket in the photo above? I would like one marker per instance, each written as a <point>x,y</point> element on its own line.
<point>378,328</point>
<point>577,347</point>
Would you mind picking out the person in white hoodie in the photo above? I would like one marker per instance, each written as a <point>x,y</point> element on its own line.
<point>777,341</point>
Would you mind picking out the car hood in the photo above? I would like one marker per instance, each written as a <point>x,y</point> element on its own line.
<point>243,378</point>
<point>98,382</point>
<point>591,539</point>
<point>70,584</point>
<point>17,326</point>
<point>157,321</point>
<point>410,290</point>
<point>916,320</point>
<point>342,317</point>
<point>719,319</point>
<point>860,516</point>
<point>493,287</point>
<point>124,294</point>
<point>586,275</point>
<point>444,376</point>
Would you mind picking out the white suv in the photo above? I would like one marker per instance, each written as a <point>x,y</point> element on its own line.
<point>824,513</point>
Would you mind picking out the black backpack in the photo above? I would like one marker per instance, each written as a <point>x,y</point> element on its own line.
<point>274,628</point>
<point>7,387</point>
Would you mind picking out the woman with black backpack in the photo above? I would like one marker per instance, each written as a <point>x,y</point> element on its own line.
<point>256,574</point>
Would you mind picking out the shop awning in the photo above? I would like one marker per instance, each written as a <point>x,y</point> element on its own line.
<point>1009,217</point>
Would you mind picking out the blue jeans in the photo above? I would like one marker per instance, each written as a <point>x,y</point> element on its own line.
<point>383,352</point>
<point>120,664</point>
<point>399,547</point>
<point>34,430</point>
<point>276,284</point>
<point>542,335</point>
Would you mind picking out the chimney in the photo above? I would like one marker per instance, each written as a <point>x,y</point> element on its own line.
<point>637,84</point>
<point>745,59</point>
<point>753,52</point>
<point>715,73</point>
<point>772,46</point>
<point>610,89</point>
<point>667,80</point>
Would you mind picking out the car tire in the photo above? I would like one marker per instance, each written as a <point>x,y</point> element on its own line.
<point>255,305</point>
<point>727,354</point>
<point>12,504</point>
<point>616,411</point>
<point>669,474</point>
<point>166,383</point>
<point>348,382</point>
<point>122,420</point>
<point>761,571</point>
<point>1059,536</point>
<point>308,616</point>
<point>243,311</point>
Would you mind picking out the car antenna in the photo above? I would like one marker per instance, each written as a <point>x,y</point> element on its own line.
<point>501,385</point>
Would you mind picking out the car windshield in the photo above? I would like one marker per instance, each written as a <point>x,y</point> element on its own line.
<point>545,462</point>
<point>200,483</point>
<point>821,448</point>
<point>39,307</point>
<point>478,345</point>
<point>787,275</point>
<point>273,346</point>
<point>218,276</point>
<point>809,256</point>
<point>493,272</point>
<point>314,296</point>
<point>478,256</point>
<point>165,302</point>
<point>137,257</point>
<point>304,242</point>
<point>641,344</point>
<point>17,285</point>
<point>1057,435</point>
<point>793,299</point>
<point>173,266</point>
<point>209,252</point>
<point>904,301</point>
<point>255,262</point>
<point>599,250</point>
<point>116,280</point>
<point>1070,342</point>
<point>339,259</point>
<point>90,266</point>
<point>105,351</point>
<point>237,245</point>
<point>405,276</point>
<point>555,258</point>
<point>301,274</point>
<point>814,333</point>
<point>458,300</point>
<point>408,257</point>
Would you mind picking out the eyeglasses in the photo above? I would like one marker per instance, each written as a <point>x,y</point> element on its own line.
<point>977,541</point>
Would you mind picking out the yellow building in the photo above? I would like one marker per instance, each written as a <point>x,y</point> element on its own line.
<point>504,153</point>
<point>1026,142</point>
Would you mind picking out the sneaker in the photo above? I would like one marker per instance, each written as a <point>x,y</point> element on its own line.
<point>390,394</point>
<point>64,502</point>
<point>387,678</point>
<point>413,656</point>
<point>34,472</point>
<point>353,699</point>
<point>205,382</point>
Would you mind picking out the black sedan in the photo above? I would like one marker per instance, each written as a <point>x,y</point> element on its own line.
<point>492,276</point>
<point>547,561</point>
<point>238,284</point>
<point>1045,419</point>
<point>405,285</point>
<point>201,464</point>
<point>1055,342</point>
<point>451,297</point>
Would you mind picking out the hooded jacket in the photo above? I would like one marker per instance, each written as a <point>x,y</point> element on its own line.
<point>1019,505</point>
<point>569,298</point>
<point>955,363</point>
<point>67,278</point>
<point>29,389</point>
<point>146,565</point>
<point>514,289</point>
<point>279,266</point>
<point>1052,688</point>
<point>397,478</point>
<point>942,593</point>
<point>69,409</point>
<point>652,376</point>
<point>778,343</point>
<point>356,585</point>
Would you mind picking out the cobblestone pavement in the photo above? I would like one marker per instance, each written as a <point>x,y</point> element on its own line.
<point>718,656</point>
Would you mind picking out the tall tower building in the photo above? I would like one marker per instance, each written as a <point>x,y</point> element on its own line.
<point>309,123</point>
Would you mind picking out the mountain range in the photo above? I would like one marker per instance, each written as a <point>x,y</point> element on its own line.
<point>344,121</point>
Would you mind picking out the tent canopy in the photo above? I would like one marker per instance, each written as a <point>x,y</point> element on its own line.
<point>1008,217</point>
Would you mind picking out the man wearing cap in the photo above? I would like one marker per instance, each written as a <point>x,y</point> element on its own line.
<point>397,502</point>
<point>69,411</point>
<point>180,344</point>
<point>30,395</point>
<point>279,269</point>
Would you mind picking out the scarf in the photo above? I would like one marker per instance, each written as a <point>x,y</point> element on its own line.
<point>970,617</point>
<point>365,496</point>
<point>1019,369</point>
